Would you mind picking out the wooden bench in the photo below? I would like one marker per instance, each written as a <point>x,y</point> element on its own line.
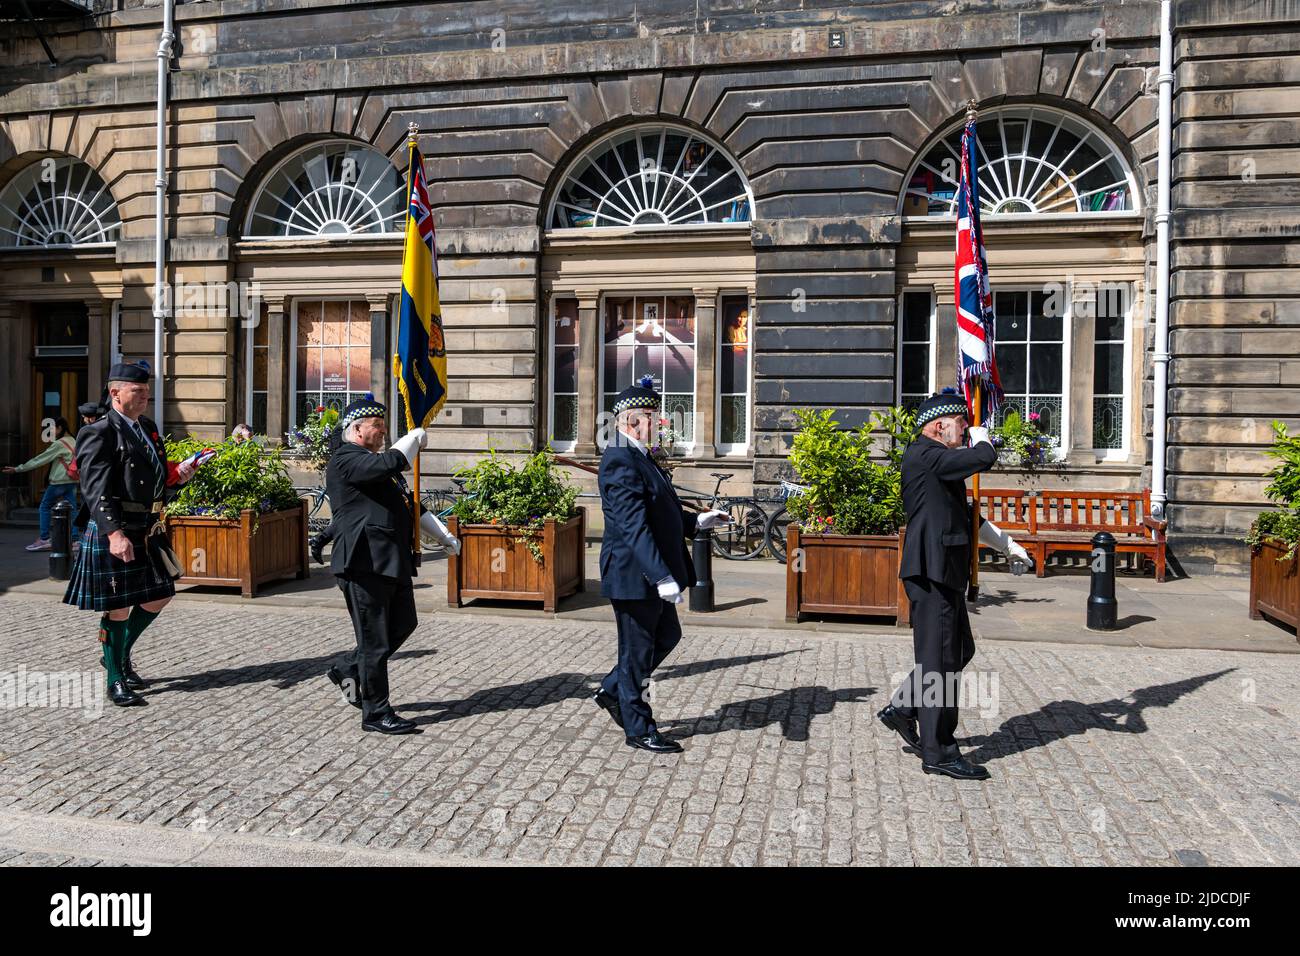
<point>1048,522</point>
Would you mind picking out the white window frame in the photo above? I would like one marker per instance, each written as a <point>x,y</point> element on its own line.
<point>1126,426</point>
<point>561,446</point>
<point>292,389</point>
<point>730,449</point>
<point>1067,333</point>
<point>688,447</point>
<point>933,344</point>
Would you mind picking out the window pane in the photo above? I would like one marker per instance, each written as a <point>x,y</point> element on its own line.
<point>680,319</point>
<point>618,368</point>
<point>680,411</point>
<point>257,414</point>
<point>334,373</point>
<point>259,330</point>
<point>1012,316</point>
<point>649,320</point>
<point>566,370</point>
<point>1012,366</point>
<point>1112,300</point>
<point>735,320</point>
<point>566,418</point>
<point>649,360</point>
<point>679,372</point>
<point>618,320</point>
<point>916,369</point>
<point>566,322</point>
<point>733,369</point>
<point>1047,328</point>
<point>916,316</point>
<point>309,327</point>
<point>1045,368</point>
<point>1048,408</point>
<point>1109,328</point>
<point>1107,422</point>
<point>335,323</point>
<point>309,370</point>
<point>734,416</point>
<point>1108,369</point>
<point>259,369</point>
<point>358,330</point>
<point>359,369</point>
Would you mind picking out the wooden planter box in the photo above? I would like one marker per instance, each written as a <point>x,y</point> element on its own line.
<point>845,574</point>
<point>245,553</point>
<point>1274,584</point>
<point>492,564</point>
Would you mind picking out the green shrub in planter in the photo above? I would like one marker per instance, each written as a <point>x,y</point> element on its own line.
<point>241,475</point>
<point>846,492</point>
<point>1284,488</point>
<point>517,498</point>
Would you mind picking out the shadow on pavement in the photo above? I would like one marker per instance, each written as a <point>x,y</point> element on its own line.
<point>284,674</point>
<point>1068,718</point>
<point>556,688</point>
<point>793,709</point>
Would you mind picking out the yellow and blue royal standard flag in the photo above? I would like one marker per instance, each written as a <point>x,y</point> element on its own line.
<point>420,365</point>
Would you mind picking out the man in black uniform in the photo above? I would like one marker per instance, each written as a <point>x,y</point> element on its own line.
<point>373,554</point>
<point>935,569</point>
<point>121,568</point>
<point>644,567</point>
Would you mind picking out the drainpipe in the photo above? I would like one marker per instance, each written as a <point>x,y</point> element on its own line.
<point>160,298</point>
<point>1161,358</point>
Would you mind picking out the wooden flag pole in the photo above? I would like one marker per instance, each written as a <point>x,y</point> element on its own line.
<point>973,590</point>
<point>412,131</point>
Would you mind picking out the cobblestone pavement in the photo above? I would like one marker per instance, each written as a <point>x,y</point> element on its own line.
<point>1099,755</point>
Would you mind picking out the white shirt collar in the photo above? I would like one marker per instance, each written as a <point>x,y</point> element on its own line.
<point>634,443</point>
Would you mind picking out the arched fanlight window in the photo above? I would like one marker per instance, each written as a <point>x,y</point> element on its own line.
<point>1032,160</point>
<point>57,201</point>
<point>652,176</point>
<point>329,189</point>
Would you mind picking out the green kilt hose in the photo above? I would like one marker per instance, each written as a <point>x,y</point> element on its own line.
<point>101,582</point>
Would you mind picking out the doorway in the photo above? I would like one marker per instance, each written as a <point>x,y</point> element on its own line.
<point>60,370</point>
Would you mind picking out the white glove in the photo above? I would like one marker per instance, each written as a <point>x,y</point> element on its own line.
<point>977,434</point>
<point>669,591</point>
<point>434,528</point>
<point>411,443</point>
<point>711,518</point>
<point>991,536</point>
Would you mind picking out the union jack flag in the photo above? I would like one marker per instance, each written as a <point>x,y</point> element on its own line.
<point>975,321</point>
<point>421,214</point>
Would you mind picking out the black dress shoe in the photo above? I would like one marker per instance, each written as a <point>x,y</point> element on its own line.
<point>905,727</point>
<point>348,689</point>
<point>390,723</point>
<point>656,743</point>
<point>132,679</point>
<point>959,769</point>
<point>123,696</point>
<point>317,546</point>
<point>610,703</point>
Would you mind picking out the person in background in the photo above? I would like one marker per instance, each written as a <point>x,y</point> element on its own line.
<point>241,433</point>
<point>63,485</point>
<point>90,412</point>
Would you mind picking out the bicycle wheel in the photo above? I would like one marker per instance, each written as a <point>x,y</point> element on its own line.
<point>439,501</point>
<point>745,536</point>
<point>776,526</point>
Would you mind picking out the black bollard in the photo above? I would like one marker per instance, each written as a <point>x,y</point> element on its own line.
<point>1102,606</point>
<point>702,559</point>
<point>61,541</point>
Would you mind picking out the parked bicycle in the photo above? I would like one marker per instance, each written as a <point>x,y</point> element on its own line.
<point>779,520</point>
<point>745,535</point>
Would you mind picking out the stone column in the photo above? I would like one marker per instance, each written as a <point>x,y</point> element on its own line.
<point>380,364</point>
<point>706,371</point>
<point>277,365</point>
<point>589,343</point>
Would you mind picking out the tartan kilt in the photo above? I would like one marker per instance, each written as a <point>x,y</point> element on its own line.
<point>100,582</point>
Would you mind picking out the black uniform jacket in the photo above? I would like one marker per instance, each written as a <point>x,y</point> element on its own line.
<point>645,526</point>
<point>937,543</point>
<point>114,468</point>
<point>370,504</point>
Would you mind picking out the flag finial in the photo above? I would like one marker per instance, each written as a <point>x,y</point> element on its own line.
<point>412,131</point>
<point>972,110</point>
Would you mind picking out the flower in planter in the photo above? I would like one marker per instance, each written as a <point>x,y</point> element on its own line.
<point>1021,442</point>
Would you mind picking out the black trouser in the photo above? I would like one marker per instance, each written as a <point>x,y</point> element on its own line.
<point>383,617</point>
<point>943,644</point>
<point>648,631</point>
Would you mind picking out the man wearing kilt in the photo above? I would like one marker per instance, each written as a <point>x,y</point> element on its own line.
<point>120,570</point>
<point>373,557</point>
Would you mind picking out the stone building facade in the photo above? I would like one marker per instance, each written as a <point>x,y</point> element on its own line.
<point>750,202</point>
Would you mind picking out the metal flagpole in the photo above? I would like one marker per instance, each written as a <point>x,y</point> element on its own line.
<point>973,590</point>
<point>412,131</point>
